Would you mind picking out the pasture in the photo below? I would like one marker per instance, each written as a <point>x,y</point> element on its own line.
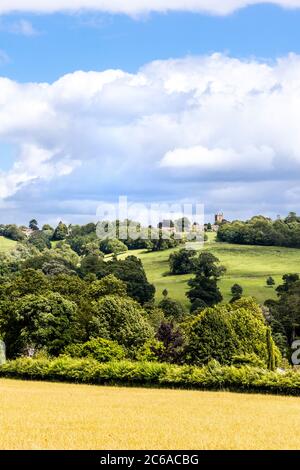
<point>6,244</point>
<point>248,266</point>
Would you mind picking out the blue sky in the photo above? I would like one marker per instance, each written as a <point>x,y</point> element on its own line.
<point>205,107</point>
<point>95,41</point>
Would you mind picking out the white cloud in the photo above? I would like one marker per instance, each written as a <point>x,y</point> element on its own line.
<point>135,7</point>
<point>228,159</point>
<point>22,27</point>
<point>194,127</point>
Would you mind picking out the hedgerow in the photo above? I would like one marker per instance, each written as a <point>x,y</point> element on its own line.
<point>213,376</point>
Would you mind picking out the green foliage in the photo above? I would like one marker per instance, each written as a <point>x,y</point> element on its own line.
<point>270,281</point>
<point>284,317</point>
<point>182,261</point>
<point>225,331</point>
<point>93,264</point>
<point>33,224</point>
<point>12,232</point>
<point>172,309</point>
<point>236,291</point>
<point>263,231</point>
<point>203,287</point>
<point>40,240</point>
<point>103,350</point>
<point>36,322</point>
<point>114,246</point>
<point>123,320</point>
<point>61,232</point>
<point>151,351</point>
<point>132,272</point>
<point>213,376</point>
<point>108,285</point>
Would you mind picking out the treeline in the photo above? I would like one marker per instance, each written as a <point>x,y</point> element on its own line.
<point>84,240</point>
<point>263,231</point>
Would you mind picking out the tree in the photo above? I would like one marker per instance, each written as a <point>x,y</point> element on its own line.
<point>114,246</point>
<point>13,233</point>
<point>93,264</point>
<point>172,309</point>
<point>204,286</point>
<point>165,293</point>
<point>47,228</point>
<point>61,232</point>
<point>108,285</point>
<point>173,341</point>
<point>182,261</point>
<point>40,240</point>
<point>270,281</point>
<point>225,331</point>
<point>123,320</point>
<point>33,224</point>
<point>284,316</point>
<point>132,272</point>
<point>37,321</point>
<point>236,291</point>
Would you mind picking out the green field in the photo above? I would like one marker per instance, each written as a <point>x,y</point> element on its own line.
<point>6,244</point>
<point>248,266</point>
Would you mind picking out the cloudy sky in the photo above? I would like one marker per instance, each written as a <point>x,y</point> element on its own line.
<point>159,100</point>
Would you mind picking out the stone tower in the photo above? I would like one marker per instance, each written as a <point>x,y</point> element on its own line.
<point>219,218</point>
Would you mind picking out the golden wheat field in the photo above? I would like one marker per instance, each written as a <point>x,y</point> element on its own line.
<point>40,415</point>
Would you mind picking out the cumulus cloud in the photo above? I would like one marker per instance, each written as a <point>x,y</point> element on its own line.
<point>198,127</point>
<point>135,7</point>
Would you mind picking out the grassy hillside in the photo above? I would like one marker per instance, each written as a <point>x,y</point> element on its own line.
<point>63,416</point>
<point>6,244</point>
<point>248,266</point>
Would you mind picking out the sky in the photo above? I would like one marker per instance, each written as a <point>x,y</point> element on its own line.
<point>162,101</point>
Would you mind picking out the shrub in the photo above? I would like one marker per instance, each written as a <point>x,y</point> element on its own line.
<point>225,331</point>
<point>103,350</point>
<point>213,376</point>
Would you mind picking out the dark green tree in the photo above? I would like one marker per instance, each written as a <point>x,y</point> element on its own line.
<point>203,287</point>
<point>182,261</point>
<point>61,232</point>
<point>33,224</point>
<point>270,281</point>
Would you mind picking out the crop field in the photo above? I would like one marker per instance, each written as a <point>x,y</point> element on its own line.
<point>41,415</point>
<point>248,266</point>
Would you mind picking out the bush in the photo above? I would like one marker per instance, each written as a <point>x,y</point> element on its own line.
<point>228,330</point>
<point>213,376</point>
<point>103,350</point>
<point>124,321</point>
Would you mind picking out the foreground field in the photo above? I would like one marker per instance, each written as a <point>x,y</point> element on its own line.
<point>37,415</point>
<point>248,266</point>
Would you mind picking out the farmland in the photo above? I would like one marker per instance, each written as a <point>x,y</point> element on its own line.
<point>248,266</point>
<point>38,415</point>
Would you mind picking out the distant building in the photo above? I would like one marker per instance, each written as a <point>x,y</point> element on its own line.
<point>219,218</point>
<point>27,231</point>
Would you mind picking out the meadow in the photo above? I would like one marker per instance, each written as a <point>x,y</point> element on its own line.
<point>6,244</point>
<point>39,415</point>
<point>246,265</point>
